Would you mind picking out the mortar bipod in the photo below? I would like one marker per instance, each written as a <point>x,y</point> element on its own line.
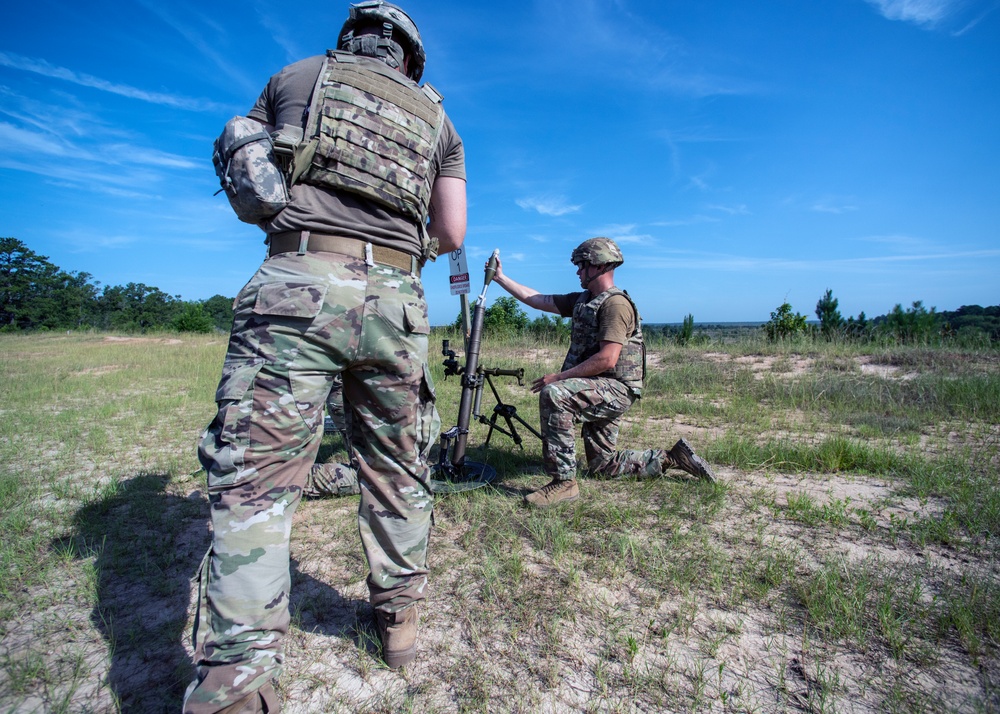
<point>508,412</point>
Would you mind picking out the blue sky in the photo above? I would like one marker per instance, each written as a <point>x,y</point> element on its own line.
<point>741,153</point>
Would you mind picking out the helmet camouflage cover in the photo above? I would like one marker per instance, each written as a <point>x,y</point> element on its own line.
<point>396,25</point>
<point>598,251</point>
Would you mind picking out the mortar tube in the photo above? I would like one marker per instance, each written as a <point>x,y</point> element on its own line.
<point>469,380</point>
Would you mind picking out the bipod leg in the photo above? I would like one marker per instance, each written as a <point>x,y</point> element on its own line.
<point>525,424</point>
<point>498,410</point>
<point>512,433</point>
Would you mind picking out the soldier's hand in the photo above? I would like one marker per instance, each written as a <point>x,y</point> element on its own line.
<point>543,381</point>
<point>498,273</point>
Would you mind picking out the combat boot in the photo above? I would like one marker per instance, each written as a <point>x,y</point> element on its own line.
<point>554,492</point>
<point>398,631</point>
<point>682,456</point>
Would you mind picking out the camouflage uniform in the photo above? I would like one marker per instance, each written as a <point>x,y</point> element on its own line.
<point>597,402</point>
<point>299,322</point>
<point>335,479</point>
<point>305,317</point>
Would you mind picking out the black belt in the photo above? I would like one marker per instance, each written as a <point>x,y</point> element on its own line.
<point>303,241</point>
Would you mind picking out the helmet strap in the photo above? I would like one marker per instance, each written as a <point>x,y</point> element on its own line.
<point>380,47</point>
<point>606,268</point>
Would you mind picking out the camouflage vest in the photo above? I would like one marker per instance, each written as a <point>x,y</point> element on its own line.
<point>371,131</point>
<point>631,366</point>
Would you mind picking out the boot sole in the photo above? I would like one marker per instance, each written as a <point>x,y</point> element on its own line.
<point>690,462</point>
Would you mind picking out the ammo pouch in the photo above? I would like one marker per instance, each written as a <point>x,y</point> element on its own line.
<point>244,160</point>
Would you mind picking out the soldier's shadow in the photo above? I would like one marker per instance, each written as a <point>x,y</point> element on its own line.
<point>319,608</point>
<point>510,463</point>
<point>146,545</point>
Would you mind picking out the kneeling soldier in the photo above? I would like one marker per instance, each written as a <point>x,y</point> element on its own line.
<point>600,379</point>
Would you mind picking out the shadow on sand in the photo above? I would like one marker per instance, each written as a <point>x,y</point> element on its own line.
<point>147,544</point>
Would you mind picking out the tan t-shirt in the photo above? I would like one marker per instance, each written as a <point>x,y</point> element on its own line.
<point>285,101</point>
<point>615,321</point>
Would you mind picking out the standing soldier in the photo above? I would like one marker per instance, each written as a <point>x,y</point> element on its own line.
<point>600,378</point>
<point>339,292</point>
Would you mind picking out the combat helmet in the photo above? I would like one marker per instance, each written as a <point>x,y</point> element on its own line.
<point>396,26</point>
<point>598,251</point>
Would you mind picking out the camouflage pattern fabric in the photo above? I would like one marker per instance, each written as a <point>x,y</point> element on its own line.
<point>597,251</point>
<point>335,479</point>
<point>372,131</point>
<point>599,403</point>
<point>245,164</point>
<point>301,320</point>
<point>631,366</point>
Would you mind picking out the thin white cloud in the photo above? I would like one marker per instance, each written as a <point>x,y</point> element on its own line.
<point>127,154</point>
<point>45,69</point>
<point>634,238</point>
<point>190,30</point>
<point>692,221</point>
<point>284,36</point>
<point>614,39</point>
<point>900,241</point>
<point>958,16</point>
<point>110,182</point>
<point>737,210</point>
<point>548,205</point>
<point>23,141</point>
<point>919,12</point>
<point>623,233</point>
<point>615,229</point>
<point>976,20</point>
<point>31,144</point>
<point>701,181</point>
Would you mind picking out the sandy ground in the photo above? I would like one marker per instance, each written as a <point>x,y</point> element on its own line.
<point>614,644</point>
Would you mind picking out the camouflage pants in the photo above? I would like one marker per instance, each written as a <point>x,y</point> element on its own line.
<point>301,320</point>
<point>599,404</point>
<point>335,479</point>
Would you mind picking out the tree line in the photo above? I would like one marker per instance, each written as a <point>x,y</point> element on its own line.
<point>970,324</point>
<point>35,294</point>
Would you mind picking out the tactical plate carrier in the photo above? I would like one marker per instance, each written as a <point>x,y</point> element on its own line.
<point>371,131</point>
<point>630,369</point>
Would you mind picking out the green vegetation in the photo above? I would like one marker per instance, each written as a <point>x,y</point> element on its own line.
<point>37,295</point>
<point>830,320</point>
<point>846,560</point>
<point>784,324</point>
<point>686,332</point>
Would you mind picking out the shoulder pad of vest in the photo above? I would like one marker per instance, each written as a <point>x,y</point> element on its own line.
<point>340,56</point>
<point>433,94</point>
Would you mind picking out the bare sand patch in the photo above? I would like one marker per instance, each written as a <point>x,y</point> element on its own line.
<point>143,340</point>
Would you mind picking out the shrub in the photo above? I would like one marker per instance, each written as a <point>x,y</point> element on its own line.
<point>784,324</point>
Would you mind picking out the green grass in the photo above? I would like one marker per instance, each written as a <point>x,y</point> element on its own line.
<point>647,594</point>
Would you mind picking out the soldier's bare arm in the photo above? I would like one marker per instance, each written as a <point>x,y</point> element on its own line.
<point>529,296</point>
<point>448,213</point>
<point>603,360</point>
